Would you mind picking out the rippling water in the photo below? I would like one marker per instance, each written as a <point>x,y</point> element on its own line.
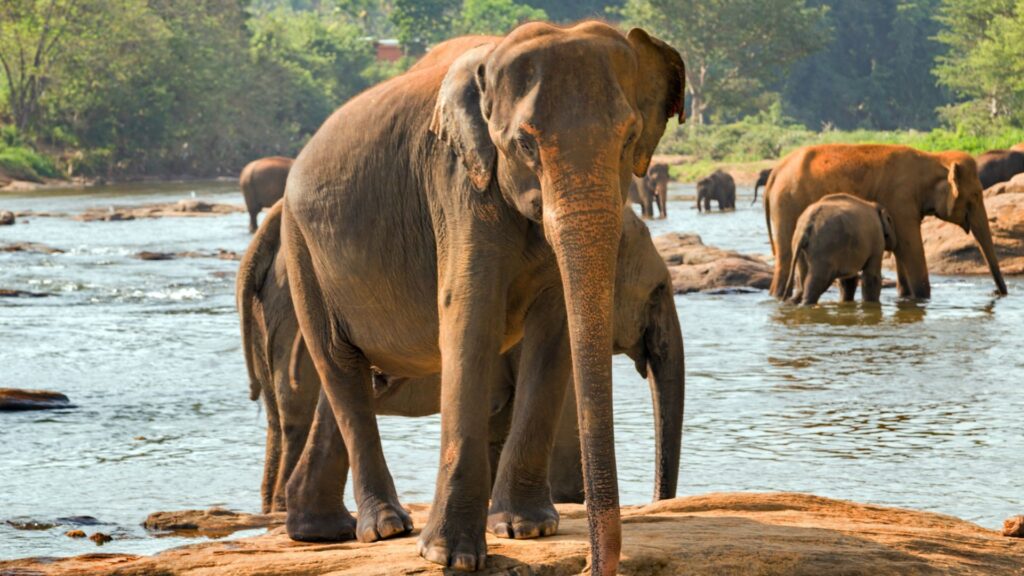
<point>907,405</point>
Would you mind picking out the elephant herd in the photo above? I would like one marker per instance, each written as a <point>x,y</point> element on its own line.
<point>458,240</point>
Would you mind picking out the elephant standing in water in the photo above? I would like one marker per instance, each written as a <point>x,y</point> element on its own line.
<point>651,191</point>
<point>262,183</point>
<point>840,237</point>
<point>762,180</point>
<point>997,166</point>
<point>416,226</point>
<point>718,186</point>
<point>646,329</point>
<point>910,184</point>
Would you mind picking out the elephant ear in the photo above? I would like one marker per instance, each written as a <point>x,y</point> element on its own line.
<point>660,92</point>
<point>458,118</point>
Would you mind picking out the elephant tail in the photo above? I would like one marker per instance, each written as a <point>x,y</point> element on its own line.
<point>768,210</point>
<point>295,366</point>
<point>252,273</point>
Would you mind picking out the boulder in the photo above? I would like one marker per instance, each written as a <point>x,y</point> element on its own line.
<point>215,522</point>
<point>949,250</point>
<point>6,218</point>
<point>731,533</point>
<point>14,399</point>
<point>1014,527</point>
<point>696,267</point>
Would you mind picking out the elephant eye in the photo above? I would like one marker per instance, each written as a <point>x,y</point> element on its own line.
<point>527,146</point>
<point>629,142</point>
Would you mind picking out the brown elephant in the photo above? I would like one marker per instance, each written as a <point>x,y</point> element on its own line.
<point>262,183</point>
<point>415,226</point>
<point>910,184</point>
<point>721,187</point>
<point>840,237</point>
<point>762,180</point>
<point>646,329</point>
<point>651,191</point>
<point>997,166</point>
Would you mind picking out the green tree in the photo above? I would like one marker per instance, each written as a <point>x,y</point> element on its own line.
<point>733,49</point>
<point>420,23</point>
<point>494,16</point>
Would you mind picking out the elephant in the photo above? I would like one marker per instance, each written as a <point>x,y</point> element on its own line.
<point>416,226</point>
<point>762,180</point>
<point>997,166</point>
<point>719,186</point>
<point>838,238</point>
<point>910,184</point>
<point>646,329</point>
<point>262,183</point>
<point>651,190</point>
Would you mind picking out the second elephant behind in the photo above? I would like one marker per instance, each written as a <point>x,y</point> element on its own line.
<point>718,186</point>
<point>646,328</point>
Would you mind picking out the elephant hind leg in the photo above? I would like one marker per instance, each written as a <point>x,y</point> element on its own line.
<point>848,289</point>
<point>872,289</point>
<point>252,219</point>
<point>815,284</point>
<point>272,463</point>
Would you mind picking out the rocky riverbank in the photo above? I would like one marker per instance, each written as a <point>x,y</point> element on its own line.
<point>730,533</point>
<point>951,251</point>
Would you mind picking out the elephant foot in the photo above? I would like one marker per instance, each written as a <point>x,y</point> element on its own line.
<point>321,527</point>
<point>381,519</point>
<point>525,520</point>
<point>454,543</point>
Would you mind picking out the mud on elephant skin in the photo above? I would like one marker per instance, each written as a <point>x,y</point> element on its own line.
<point>840,237</point>
<point>646,328</point>
<point>718,186</point>
<point>908,183</point>
<point>263,182</point>
<point>515,157</point>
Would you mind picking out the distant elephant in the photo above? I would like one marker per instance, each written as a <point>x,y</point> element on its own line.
<point>646,329</point>
<point>719,186</point>
<point>418,228</point>
<point>910,184</point>
<point>997,166</point>
<point>840,237</point>
<point>762,180</point>
<point>262,183</point>
<point>651,191</point>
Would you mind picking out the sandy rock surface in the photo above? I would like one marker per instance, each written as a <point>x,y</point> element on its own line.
<point>951,251</point>
<point>182,208</point>
<point>696,267</point>
<point>214,522</point>
<point>735,534</point>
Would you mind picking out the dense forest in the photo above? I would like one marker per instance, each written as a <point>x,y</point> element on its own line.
<point>116,88</point>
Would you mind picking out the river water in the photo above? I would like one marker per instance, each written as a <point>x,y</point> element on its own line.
<point>915,405</point>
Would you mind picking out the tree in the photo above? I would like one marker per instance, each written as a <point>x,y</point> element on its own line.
<point>421,23</point>
<point>494,16</point>
<point>732,48</point>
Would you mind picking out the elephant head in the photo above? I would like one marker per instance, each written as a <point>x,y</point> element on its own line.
<point>560,119</point>
<point>657,182</point>
<point>888,227</point>
<point>959,199</point>
<point>647,330</point>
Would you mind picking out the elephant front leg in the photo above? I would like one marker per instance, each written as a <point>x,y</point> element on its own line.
<point>521,505</point>
<point>912,267</point>
<point>566,472</point>
<point>472,315</point>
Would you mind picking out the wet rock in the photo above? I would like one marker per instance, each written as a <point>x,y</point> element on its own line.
<point>696,267</point>
<point>178,209</point>
<point>214,522</point>
<point>1014,527</point>
<point>75,534</point>
<point>147,255</point>
<point>29,525</point>
<point>79,520</point>
<point>41,214</point>
<point>731,533</point>
<point>9,293</point>
<point>220,253</point>
<point>6,218</point>
<point>100,538</point>
<point>949,250</point>
<point>14,399</point>
<point>30,247</point>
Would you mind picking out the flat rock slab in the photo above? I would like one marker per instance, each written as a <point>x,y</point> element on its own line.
<point>949,250</point>
<point>220,253</point>
<point>182,208</point>
<point>30,247</point>
<point>696,267</point>
<point>735,533</point>
<point>212,523</point>
<point>14,399</point>
<point>9,293</point>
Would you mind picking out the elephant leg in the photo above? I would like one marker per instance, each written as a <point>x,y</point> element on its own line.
<point>663,204</point>
<point>871,291</point>
<point>783,243</point>
<point>799,279</point>
<point>847,289</point>
<point>316,507</point>
<point>297,410</point>
<point>272,463</point>
<point>253,212</point>
<point>471,329</point>
<point>647,205</point>
<point>500,424</point>
<point>521,505</point>
<point>707,203</point>
<point>815,284</point>
<point>914,282</point>
<point>566,473</point>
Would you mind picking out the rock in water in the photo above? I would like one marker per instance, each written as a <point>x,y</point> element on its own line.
<point>13,399</point>
<point>6,218</point>
<point>1014,527</point>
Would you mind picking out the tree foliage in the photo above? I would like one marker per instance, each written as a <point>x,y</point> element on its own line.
<point>494,16</point>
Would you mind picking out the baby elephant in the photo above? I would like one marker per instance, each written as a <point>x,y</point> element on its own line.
<point>839,237</point>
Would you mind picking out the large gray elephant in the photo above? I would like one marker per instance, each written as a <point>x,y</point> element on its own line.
<point>997,166</point>
<point>651,191</point>
<point>262,182</point>
<point>718,186</point>
<point>417,225</point>
<point>646,329</point>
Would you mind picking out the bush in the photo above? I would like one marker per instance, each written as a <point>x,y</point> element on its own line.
<point>25,164</point>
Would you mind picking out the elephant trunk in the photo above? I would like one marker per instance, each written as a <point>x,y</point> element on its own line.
<point>583,222</point>
<point>666,374</point>
<point>977,221</point>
